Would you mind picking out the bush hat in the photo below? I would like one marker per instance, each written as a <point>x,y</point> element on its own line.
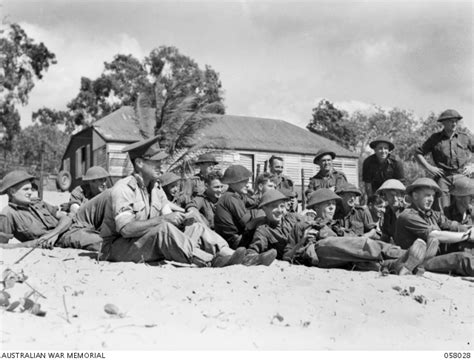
<point>270,196</point>
<point>95,172</point>
<point>348,188</point>
<point>321,195</point>
<point>462,186</point>
<point>13,178</point>
<point>206,158</point>
<point>235,174</point>
<point>169,178</point>
<point>423,183</point>
<point>449,114</point>
<point>290,193</point>
<point>148,149</point>
<point>374,143</point>
<point>391,184</point>
<point>321,153</point>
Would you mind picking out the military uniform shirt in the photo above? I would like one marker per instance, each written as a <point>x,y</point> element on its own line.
<point>205,206</point>
<point>376,173</point>
<point>334,179</point>
<point>414,223</point>
<point>389,223</point>
<point>283,182</point>
<point>29,222</point>
<point>131,201</point>
<point>449,154</point>
<point>453,214</point>
<point>358,221</point>
<point>80,195</point>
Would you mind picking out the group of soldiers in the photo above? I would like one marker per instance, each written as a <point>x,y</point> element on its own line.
<point>215,219</point>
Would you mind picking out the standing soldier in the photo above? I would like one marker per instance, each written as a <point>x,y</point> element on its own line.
<point>94,183</point>
<point>276,169</point>
<point>381,165</point>
<point>327,177</point>
<point>451,150</point>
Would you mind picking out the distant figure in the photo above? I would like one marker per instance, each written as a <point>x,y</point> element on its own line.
<point>381,165</point>
<point>327,177</point>
<point>94,182</point>
<point>264,182</point>
<point>170,184</point>
<point>276,169</point>
<point>451,150</point>
<point>206,164</point>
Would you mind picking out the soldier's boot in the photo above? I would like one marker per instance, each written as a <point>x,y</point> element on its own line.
<point>253,258</point>
<point>221,260</point>
<point>411,259</point>
<point>201,258</point>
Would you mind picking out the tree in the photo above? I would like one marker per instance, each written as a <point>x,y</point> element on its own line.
<point>47,116</point>
<point>165,78</point>
<point>332,123</point>
<point>22,62</point>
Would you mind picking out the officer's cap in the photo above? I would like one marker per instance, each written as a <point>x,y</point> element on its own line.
<point>169,178</point>
<point>321,153</point>
<point>270,196</point>
<point>423,183</point>
<point>462,186</point>
<point>321,195</point>
<point>206,158</point>
<point>374,143</point>
<point>348,188</point>
<point>13,178</point>
<point>95,172</point>
<point>235,174</point>
<point>391,184</point>
<point>449,114</point>
<point>147,149</point>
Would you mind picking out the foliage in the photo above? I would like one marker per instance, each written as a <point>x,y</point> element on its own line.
<point>22,62</point>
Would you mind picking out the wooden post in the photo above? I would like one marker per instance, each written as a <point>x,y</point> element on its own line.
<point>258,169</point>
<point>40,188</point>
<point>303,198</point>
<point>265,166</point>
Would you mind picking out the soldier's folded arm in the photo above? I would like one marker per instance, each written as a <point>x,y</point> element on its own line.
<point>49,239</point>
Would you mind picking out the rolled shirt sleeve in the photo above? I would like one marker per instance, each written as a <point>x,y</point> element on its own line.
<point>125,206</point>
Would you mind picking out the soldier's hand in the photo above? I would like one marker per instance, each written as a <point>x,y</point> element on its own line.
<point>435,171</point>
<point>468,170</point>
<point>175,218</point>
<point>47,241</point>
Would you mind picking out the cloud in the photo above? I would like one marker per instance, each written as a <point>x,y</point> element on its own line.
<point>77,55</point>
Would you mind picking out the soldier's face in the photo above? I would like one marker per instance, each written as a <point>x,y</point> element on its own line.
<point>382,150</point>
<point>465,201</point>
<point>275,211</point>
<point>206,168</point>
<point>424,198</point>
<point>172,188</point>
<point>450,125</point>
<point>241,187</point>
<point>98,185</point>
<point>349,198</point>
<point>151,168</point>
<point>325,162</point>
<point>215,189</point>
<point>394,198</point>
<point>326,209</point>
<point>276,167</point>
<point>21,194</point>
<point>269,184</point>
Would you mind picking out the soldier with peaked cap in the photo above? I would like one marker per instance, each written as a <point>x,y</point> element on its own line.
<point>94,182</point>
<point>451,151</point>
<point>352,217</point>
<point>393,191</point>
<point>140,226</point>
<point>327,177</point>
<point>381,165</point>
<point>326,246</point>
<point>28,219</point>
<point>419,223</point>
<point>281,181</point>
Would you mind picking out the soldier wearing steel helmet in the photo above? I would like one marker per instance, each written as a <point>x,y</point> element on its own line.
<point>393,192</point>
<point>451,151</point>
<point>461,209</point>
<point>420,223</point>
<point>29,219</point>
<point>94,183</point>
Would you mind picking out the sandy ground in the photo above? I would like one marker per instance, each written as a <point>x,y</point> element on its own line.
<point>277,307</point>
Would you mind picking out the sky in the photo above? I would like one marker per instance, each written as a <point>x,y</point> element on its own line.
<point>275,59</point>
